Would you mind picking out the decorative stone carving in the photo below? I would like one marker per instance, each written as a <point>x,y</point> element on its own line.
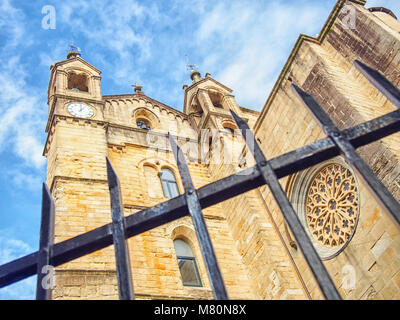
<point>332,205</point>
<point>326,199</point>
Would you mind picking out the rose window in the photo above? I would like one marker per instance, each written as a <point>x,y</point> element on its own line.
<point>332,206</point>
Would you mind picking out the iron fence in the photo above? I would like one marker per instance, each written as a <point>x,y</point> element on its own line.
<point>265,172</point>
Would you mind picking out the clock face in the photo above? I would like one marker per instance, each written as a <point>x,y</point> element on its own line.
<point>80,110</point>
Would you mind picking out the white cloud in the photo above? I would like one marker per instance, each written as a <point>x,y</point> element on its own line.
<point>113,26</point>
<point>11,249</point>
<point>21,115</point>
<point>249,43</point>
<point>21,112</point>
<point>10,19</point>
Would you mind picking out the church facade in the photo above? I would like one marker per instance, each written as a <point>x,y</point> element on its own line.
<point>257,254</point>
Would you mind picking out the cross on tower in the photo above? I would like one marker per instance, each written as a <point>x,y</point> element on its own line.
<point>137,88</point>
<point>190,66</point>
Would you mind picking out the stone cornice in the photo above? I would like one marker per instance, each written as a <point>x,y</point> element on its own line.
<point>302,38</point>
<point>106,124</point>
<point>87,99</point>
<point>57,178</point>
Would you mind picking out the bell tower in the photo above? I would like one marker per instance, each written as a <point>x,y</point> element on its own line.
<point>208,103</point>
<point>73,80</point>
<point>76,150</point>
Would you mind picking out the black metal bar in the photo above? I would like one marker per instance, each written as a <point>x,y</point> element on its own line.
<point>377,188</point>
<point>380,82</point>
<point>122,260</point>
<point>208,195</point>
<point>45,272</point>
<point>194,207</point>
<point>310,254</point>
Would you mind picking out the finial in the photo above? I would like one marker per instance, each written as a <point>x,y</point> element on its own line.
<point>195,75</point>
<point>137,88</point>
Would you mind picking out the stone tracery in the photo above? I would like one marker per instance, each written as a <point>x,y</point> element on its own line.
<point>332,206</point>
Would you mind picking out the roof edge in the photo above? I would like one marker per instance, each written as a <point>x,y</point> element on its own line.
<point>141,96</point>
<point>302,38</point>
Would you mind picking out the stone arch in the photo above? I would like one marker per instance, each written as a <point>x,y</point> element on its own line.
<point>147,115</point>
<point>227,124</point>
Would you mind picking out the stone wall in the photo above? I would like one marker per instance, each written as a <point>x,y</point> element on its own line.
<point>326,71</point>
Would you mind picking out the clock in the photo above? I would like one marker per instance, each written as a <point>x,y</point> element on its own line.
<point>80,110</point>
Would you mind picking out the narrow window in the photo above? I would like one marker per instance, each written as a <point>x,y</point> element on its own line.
<point>187,264</point>
<point>169,185</point>
<point>143,124</point>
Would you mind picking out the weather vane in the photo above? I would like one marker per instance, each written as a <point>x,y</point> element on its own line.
<point>190,66</point>
<point>73,48</point>
<point>136,87</point>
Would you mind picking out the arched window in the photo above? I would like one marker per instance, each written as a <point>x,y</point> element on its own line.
<point>187,264</point>
<point>77,82</point>
<point>168,182</point>
<point>143,124</point>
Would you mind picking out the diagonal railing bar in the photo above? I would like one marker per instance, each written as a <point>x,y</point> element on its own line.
<point>380,82</point>
<point>303,240</point>
<point>203,237</point>
<point>208,195</point>
<point>122,261</point>
<point>44,274</point>
<point>377,188</point>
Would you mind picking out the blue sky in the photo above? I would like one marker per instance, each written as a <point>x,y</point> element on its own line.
<point>243,44</point>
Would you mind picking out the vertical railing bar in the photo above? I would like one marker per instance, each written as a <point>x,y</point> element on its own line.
<point>378,80</point>
<point>122,260</point>
<point>44,283</point>
<point>210,259</point>
<point>317,267</point>
<point>377,188</point>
